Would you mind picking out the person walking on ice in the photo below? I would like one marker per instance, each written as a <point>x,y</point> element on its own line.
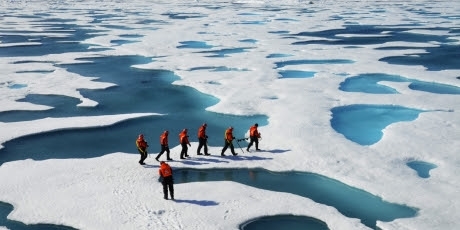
<point>142,148</point>
<point>254,136</point>
<point>202,140</point>
<point>164,146</point>
<point>229,141</point>
<point>167,180</point>
<point>183,140</point>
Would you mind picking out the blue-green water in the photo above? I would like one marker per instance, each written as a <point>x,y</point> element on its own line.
<point>351,202</point>
<point>421,167</point>
<point>363,124</point>
<point>284,222</point>
<point>369,83</point>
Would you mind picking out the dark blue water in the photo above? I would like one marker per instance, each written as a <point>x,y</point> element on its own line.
<point>446,56</point>
<point>58,44</point>
<point>217,68</point>
<point>249,41</point>
<point>184,15</point>
<point>120,42</point>
<point>421,167</point>
<point>281,222</point>
<point>349,201</point>
<point>433,87</point>
<point>437,59</point>
<point>278,32</point>
<point>278,55</point>
<point>194,45</point>
<point>221,53</point>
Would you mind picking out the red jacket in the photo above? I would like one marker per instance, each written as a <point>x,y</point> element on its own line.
<point>165,170</point>
<point>202,132</point>
<point>229,135</point>
<point>253,132</point>
<point>183,137</point>
<point>164,138</point>
<point>141,143</point>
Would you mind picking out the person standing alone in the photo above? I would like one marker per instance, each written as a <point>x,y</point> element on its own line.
<point>229,141</point>
<point>254,136</point>
<point>164,146</point>
<point>202,140</point>
<point>166,177</point>
<point>183,140</point>
<point>142,148</point>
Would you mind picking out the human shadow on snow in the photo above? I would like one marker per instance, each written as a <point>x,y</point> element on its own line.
<point>277,150</point>
<point>221,159</point>
<point>151,165</point>
<point>198,202</point>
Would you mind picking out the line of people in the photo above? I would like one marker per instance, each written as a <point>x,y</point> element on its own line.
<point>165,171</point>
<point>142,145</point>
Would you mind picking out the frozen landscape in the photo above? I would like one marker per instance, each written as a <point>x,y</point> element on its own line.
<point>357,103</point>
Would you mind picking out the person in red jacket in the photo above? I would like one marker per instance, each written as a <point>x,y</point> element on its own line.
<point>229,141</point>
<point>202,140</point>
<point>164,146</point>
<point>142,148</point>
<point>183,140</point>
<point>254,136</point>
<point>167,180</point>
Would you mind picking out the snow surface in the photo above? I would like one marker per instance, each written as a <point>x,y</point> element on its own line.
<point>114,192</point>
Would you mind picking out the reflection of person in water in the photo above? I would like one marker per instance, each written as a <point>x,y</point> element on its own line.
<point>202,176</point>
<point>228,175</point>
<point>252,175</point>
<point>184,174</point>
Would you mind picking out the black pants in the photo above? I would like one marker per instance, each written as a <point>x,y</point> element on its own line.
<point>164,148</point>
<point>168,183</point>
<point>228,144</point>
<point>143,153</point>
<point>183,152</point>
<point>202,143</point>
<point>253,140</point>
